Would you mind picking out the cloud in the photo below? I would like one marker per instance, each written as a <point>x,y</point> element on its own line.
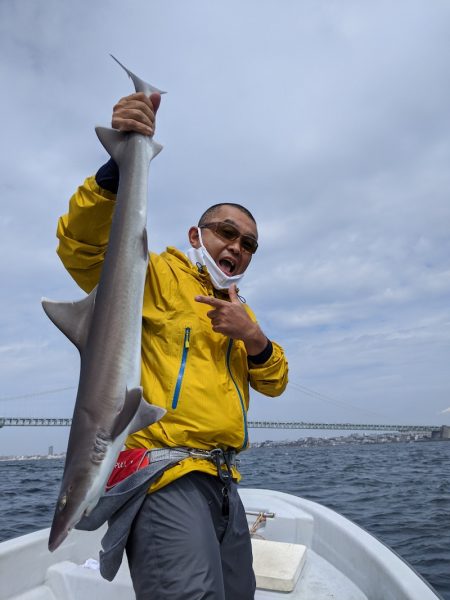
<point>329,121</point>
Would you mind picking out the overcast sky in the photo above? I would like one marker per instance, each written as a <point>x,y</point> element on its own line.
<point>329,120</point>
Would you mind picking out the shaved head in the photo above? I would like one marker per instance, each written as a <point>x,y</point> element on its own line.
<point>211,211</point>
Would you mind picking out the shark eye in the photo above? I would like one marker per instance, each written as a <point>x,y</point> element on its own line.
<point>62,502</point>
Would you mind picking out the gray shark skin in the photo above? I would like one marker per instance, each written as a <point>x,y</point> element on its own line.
<point>105,326</point>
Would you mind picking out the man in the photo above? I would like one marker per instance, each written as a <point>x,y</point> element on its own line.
<point>201,348</point>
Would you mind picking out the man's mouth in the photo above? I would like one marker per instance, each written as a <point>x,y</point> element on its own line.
<point>227,266</point>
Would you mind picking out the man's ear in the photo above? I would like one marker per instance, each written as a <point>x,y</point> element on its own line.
<point>194,238</point>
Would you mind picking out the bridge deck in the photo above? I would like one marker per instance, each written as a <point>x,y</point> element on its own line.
<point>63,422</point>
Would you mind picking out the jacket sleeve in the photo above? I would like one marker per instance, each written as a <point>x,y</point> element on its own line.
<point>271,377</point>
<point>83,233</point>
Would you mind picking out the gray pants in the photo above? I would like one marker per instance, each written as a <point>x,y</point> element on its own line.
<point>181,546</point>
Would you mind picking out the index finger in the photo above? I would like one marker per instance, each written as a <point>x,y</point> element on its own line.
<point>155,99</point>
<point>209,300</point>
<point>233,294</point>
<point>140,97</point>
<point>138,101</point>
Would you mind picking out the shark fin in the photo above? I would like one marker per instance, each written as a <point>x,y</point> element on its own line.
<point>136,413</point>
<point>139,84</point>
<point>72,318</point>
<point>146,415</point>
<point>115,143</point>
<point>156,148</point>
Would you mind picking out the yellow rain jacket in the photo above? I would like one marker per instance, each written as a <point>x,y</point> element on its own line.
<point>199,376</point>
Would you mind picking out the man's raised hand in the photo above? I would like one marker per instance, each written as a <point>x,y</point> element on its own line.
<point>231,319</point>
<point>136,113</point>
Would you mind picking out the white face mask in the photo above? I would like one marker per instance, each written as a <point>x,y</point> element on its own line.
<point>218,278</point>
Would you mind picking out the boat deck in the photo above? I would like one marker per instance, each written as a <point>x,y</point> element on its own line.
<point>339,560</point>
<point>68,580</point>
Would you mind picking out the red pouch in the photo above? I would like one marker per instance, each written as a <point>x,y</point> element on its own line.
<point>128,462</point>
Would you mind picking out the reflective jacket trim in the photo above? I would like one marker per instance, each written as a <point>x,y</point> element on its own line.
<point>244,412</point>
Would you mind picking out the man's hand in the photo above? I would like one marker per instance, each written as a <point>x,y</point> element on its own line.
<point>136,113</point>
<point>231,319</point>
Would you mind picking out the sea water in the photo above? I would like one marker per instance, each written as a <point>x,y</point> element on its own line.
<point>400,492</point>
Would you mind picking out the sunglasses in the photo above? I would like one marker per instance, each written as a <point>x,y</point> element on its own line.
<point>230,233</point>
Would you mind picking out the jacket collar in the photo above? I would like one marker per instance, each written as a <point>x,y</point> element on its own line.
<point>181,261</point>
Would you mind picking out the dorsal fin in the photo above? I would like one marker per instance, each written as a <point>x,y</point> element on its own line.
<point>72,318</point>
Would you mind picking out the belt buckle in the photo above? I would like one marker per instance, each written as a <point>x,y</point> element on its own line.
<point>196,453</point>
<point>222,463</point>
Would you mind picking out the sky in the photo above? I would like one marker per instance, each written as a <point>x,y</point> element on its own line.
<point>329,120</point>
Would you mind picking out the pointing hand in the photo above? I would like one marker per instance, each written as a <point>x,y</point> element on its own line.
<point>231,319</point>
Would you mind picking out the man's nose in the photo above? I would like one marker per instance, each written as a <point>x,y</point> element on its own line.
<point>235,245</point>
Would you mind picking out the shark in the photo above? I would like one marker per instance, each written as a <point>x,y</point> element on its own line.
<point>106,326</point>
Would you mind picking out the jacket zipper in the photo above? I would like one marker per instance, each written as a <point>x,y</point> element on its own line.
<point>176,394</point>
<point>241,400</point>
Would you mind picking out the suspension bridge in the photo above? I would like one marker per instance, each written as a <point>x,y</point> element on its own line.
<point>65,422</point>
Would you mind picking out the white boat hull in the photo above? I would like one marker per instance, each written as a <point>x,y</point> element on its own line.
<point>341,562</point>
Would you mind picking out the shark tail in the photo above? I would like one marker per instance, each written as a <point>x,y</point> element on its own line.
<point>139,84</point>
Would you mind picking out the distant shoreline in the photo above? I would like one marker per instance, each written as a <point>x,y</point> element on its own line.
<point>32,457</point>
<point>309,442</point>
<point>354,438</point>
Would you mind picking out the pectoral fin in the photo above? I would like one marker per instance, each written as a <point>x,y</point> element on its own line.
<point>72,318</point>
<point>146,415</point>
<point>136,413</point>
